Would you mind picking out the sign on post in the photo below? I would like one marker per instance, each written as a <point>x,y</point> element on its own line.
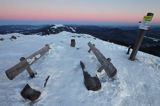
<point>143,27</point>
<point>145,24</point>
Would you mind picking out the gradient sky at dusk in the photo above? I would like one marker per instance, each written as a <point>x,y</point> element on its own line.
<point>77,11</point>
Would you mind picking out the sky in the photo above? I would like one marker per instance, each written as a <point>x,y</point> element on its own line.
<point>91,12</point>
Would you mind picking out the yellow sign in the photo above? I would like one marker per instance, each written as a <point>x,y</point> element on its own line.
<point>147,18</point>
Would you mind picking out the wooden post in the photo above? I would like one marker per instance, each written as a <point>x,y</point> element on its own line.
<point>100,69</point>
<point>90,49</point>
<point>129,48</point>
<point>29,70</point>
<point>137,44</point>
<point>91,83</point>
<point>21,66</point>
<point>106,63</point>
<point>73,43</point>
<point>142,30</point>
<point>30,93</point>
<point>46,80</point>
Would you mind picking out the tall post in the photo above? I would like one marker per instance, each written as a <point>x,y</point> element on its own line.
<point>144,26</point>
<point>137,44</point>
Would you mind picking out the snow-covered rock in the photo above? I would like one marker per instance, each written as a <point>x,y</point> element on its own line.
<point>57,26</point>
<point>137,82</point>
<point>55,29</point>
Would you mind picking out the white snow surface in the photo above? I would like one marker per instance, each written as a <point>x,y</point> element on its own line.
<point>57,26</point>
<point>72,29</point>
<point>137,82</point>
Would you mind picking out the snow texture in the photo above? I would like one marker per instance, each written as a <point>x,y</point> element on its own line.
<point>72,29</point>
<point>38,56</point>
<point>30,61</point>
<point>57,26</point>
<point>137,82</point>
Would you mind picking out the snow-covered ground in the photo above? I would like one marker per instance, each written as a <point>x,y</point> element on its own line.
<point>137,82</point>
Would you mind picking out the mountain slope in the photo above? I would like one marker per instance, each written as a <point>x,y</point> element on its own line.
<point>137,82</point>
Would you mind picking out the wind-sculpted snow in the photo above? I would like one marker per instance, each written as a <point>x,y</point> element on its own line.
<point>137,82</point>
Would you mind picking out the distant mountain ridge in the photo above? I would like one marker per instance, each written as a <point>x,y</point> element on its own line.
<point>40,30</point>
<point>123,35</point>
<point>51,29</point>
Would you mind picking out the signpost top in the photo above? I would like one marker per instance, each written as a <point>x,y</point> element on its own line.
<point>145,24</point>
<point>147,18</point>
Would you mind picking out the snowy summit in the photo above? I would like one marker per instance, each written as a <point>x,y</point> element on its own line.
<point>57,26</point>
<point>137,82</point>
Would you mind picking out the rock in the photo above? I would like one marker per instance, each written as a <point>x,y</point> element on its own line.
<point>1,39</point>
<point>30,94</point>
<point>13,37</point>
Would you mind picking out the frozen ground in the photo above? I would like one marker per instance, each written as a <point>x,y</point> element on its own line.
<point>137,82</point>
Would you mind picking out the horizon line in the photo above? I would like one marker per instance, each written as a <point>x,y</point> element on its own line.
<point>68,22</point>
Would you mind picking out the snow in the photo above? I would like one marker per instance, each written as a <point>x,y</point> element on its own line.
<point>30,61</point>
<point>154,39</point>
<point>137,82</point>
<point>38,56</point>
<point>57,26</point>
<point>72,29</point>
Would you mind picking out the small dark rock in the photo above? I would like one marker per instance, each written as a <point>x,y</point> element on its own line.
<point>13,37</point>
<point>77,48</point>
<point>73,36</point>
<point>1,39</point>
<point>30,94</point>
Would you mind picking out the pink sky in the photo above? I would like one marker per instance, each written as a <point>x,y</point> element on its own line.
<point>97,11</point>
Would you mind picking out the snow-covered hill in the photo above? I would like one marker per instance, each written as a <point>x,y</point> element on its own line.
<point>137,82</point>
<point>54,29</point>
